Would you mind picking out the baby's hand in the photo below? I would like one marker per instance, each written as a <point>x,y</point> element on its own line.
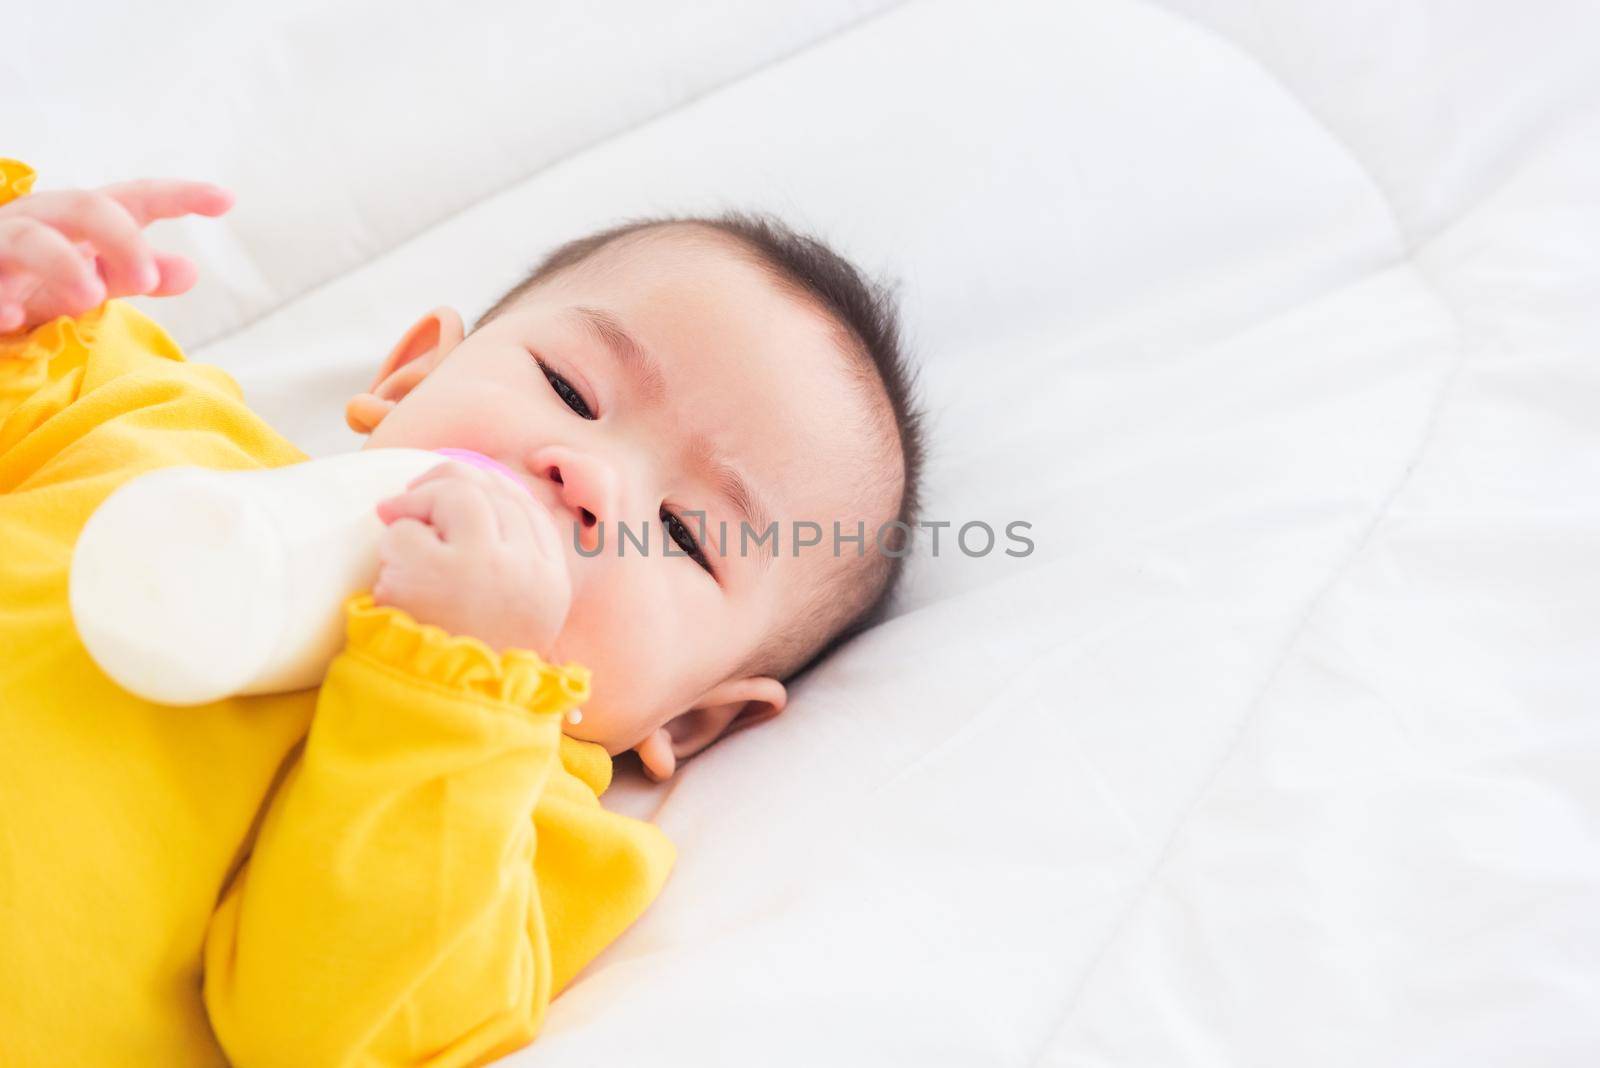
<point>471,552</point>
<point>64,252</point>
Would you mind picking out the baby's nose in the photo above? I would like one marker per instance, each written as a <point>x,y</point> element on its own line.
<point>587,485</point>
<point>569,496</point>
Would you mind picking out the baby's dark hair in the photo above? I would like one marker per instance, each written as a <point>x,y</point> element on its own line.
<point>864,313</point>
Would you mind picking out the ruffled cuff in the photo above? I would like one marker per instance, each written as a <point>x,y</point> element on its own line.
<point>41,344</point>
<point>16,179</point>
<point>519,677</point>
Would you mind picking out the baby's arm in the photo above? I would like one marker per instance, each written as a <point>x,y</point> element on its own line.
<point>427,878</point>
<point>389,914</point>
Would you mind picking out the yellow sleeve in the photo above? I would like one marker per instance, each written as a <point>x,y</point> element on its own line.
<point>427,878</point>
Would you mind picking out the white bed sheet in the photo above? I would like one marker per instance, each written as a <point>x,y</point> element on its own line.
<point>1277,322</point>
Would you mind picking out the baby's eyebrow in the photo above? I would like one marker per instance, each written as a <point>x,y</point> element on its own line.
<point>752,510</point>
<point>610,332</point>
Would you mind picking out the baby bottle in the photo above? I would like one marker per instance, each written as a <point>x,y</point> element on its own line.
<point>189,585</point>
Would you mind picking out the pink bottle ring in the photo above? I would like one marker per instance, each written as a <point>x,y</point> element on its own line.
<point>478,459</point>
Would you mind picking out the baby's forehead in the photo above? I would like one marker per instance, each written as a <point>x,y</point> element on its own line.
<point>770,376</point>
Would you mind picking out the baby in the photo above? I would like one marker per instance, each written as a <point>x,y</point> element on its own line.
<point>405,865</point>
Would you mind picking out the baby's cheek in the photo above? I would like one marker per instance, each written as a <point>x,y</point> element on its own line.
<point>626,630</point>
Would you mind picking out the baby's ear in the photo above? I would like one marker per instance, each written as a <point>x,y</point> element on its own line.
<point>726,708</point>
<point>428,341</point>
<point>418,351</point>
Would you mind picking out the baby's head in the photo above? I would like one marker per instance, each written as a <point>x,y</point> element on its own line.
<point>724,366</point>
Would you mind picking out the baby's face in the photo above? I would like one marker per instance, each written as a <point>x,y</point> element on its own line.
<point>733,383</point>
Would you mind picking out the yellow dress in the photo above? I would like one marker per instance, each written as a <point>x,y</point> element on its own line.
<point>194,886</point>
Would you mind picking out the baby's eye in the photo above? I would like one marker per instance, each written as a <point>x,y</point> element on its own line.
<point>681,534</point>
<point>566,392</point>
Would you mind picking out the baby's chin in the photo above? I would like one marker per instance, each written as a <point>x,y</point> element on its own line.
<point>597,725</point>
<point>620,717</point>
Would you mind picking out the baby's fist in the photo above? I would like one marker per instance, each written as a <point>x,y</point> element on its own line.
<point>470,551</point>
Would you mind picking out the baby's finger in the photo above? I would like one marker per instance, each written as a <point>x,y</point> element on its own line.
<point>443,469</point>
<point>129,264</point>
<point>407,539</point>
<point>546,530</point>
<point>492,483</point>
<point>148,199</point>
<point>30,246</point>
<point>407,552</point>
<point>512,523</point>
<point>178,275</point>
<point>458,510</point>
